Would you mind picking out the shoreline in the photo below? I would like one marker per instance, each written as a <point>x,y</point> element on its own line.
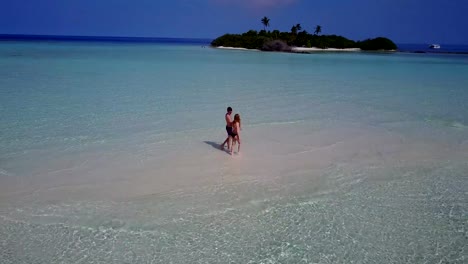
<point>234,48</point>
<point>296,49</point>
<point>318,50</point>
<point>315,49</point>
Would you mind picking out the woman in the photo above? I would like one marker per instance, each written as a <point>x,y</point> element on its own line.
<point>236,128</point>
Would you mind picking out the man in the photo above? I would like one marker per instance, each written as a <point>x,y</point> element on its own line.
<point>227,117</point>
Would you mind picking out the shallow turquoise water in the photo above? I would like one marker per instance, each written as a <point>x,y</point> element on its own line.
<point>75,102</point>
<point>57,92</point>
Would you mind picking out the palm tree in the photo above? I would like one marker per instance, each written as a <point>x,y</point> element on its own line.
<point>265,22</point>
<point>318,29</point>
<point>294,30</point>
<point>276,33</point>
<point>298,27</point>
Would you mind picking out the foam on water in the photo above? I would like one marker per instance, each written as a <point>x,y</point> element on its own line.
<point>109,154</point>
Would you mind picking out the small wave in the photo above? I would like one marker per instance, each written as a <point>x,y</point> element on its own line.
<point>6,173</point>
<point>316,148</point>
<point>458,125</point>
<point>448,123</point>
<point>278,123</point>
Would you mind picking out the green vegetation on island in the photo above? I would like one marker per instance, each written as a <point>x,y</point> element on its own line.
<point>283,41</point>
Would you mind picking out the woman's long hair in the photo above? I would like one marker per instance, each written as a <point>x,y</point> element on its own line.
<point>237,119</point>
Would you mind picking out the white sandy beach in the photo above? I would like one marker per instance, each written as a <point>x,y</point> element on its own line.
<point>313,49</point>
<point>270,153</point>
<point>301,49</point>
<point>233,48</point>
<point>303,181</point>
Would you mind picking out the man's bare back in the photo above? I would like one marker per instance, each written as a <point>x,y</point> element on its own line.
<point>227,117</point>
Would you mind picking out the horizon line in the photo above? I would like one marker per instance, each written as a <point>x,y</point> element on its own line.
<point>91,38</point>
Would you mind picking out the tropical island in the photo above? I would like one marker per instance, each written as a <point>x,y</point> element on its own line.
<point>298,40</point>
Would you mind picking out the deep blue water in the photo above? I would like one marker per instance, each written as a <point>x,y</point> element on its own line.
<point>193,41</point>
<point>404,47</point>
<point>444,48</point>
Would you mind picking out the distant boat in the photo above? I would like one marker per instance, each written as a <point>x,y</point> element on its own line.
<point>434,46</point>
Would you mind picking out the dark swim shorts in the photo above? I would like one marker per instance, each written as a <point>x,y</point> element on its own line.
<point>229,131</point>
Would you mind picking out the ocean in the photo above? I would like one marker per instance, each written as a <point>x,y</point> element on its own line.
<point>109,153</point>
<point>425,48</point>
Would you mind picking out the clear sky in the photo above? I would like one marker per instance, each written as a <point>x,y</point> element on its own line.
<point>403,21</point>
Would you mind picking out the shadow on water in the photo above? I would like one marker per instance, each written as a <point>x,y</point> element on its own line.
<point>216,145</point>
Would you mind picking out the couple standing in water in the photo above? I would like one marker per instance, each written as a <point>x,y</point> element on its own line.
<point>233,128</point>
